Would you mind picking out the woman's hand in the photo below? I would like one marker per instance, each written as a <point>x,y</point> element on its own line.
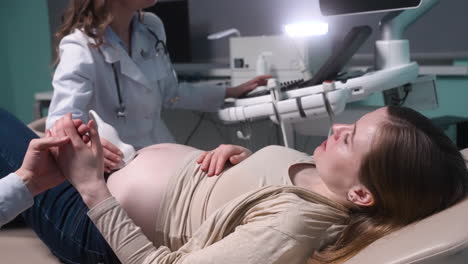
<point>214,161</point>
<point>83,130</point>
<point>247,87</point>
<point>112,156</point>
<point>82,164</point>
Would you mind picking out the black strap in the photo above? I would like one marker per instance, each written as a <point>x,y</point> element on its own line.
<point>299,106</point>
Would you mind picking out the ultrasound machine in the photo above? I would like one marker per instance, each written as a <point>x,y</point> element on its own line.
<point>310,89</point>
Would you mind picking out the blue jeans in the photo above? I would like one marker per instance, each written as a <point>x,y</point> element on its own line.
<point>59,215</point>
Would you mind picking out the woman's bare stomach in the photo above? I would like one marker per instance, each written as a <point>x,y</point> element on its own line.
<point>139,186</point>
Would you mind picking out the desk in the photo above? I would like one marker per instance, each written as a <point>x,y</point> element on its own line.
<point>42,99</point>
<point>192,72</point>
<point>41,102</point>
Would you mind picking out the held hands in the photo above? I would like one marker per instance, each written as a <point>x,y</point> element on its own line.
<point>213,162</point>
<point>82,163</point>
<point>39,170</point>
<point>247,87</point>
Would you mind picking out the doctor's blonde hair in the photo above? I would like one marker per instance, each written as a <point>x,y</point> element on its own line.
<point>90,16</point>
<point>413,171</point>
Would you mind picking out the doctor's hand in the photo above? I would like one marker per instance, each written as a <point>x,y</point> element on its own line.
<point>213,162</point>
<point>247,87</point>
<point>112,155</point>
<point>82,164</point>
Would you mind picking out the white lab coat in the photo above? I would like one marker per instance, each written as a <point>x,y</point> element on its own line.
<point>84,80</point>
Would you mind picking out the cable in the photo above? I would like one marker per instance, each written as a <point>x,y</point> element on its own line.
<point>396,99</point>
<point>219,128</point>
<point>302,57</point>
<point>407,89</point>
<point>195,128</point>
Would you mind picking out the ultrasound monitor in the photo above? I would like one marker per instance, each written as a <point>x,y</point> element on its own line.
<point>348,7</point>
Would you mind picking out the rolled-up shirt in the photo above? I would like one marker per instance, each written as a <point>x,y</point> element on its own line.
<point>14,198</point>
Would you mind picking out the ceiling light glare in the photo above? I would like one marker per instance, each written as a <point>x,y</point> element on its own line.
<point>306,29</point>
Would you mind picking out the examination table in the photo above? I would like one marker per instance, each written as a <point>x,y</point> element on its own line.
<point>441,238</point>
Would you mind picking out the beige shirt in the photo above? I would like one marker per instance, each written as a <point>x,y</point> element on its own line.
<point>250,214</point>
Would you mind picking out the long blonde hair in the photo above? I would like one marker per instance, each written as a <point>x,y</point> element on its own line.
<point>413,170</point>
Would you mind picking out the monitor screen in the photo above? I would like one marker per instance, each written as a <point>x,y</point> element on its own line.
<point>345,7</point>
<point>175,16</point>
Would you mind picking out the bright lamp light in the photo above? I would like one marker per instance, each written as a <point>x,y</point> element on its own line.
<point>305,29</point>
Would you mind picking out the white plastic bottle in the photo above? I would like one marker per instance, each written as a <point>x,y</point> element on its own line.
<point>262,63</point>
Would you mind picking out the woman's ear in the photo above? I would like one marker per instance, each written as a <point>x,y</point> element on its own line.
<point>360,195</point>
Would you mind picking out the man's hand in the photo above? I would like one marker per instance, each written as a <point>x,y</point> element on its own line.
<point>213,162</point>
<point>247,87</point>
<point>39,171</point>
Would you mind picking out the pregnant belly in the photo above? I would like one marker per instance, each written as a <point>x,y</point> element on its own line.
<point>140,185</point>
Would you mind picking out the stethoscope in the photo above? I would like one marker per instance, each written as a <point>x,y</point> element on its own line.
<point>161,49</point>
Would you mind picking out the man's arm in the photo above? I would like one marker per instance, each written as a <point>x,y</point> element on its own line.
<point>38,173</point>
<point>15,197</point>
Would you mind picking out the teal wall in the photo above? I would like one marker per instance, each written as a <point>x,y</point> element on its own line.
<point>5,91</point>
<point>25,55</point>
<point>453,97</point>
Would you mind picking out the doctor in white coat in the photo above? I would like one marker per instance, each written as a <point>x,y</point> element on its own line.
<point>113,59</point>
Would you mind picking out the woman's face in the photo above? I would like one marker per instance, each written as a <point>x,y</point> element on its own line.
<point>338,159</point>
